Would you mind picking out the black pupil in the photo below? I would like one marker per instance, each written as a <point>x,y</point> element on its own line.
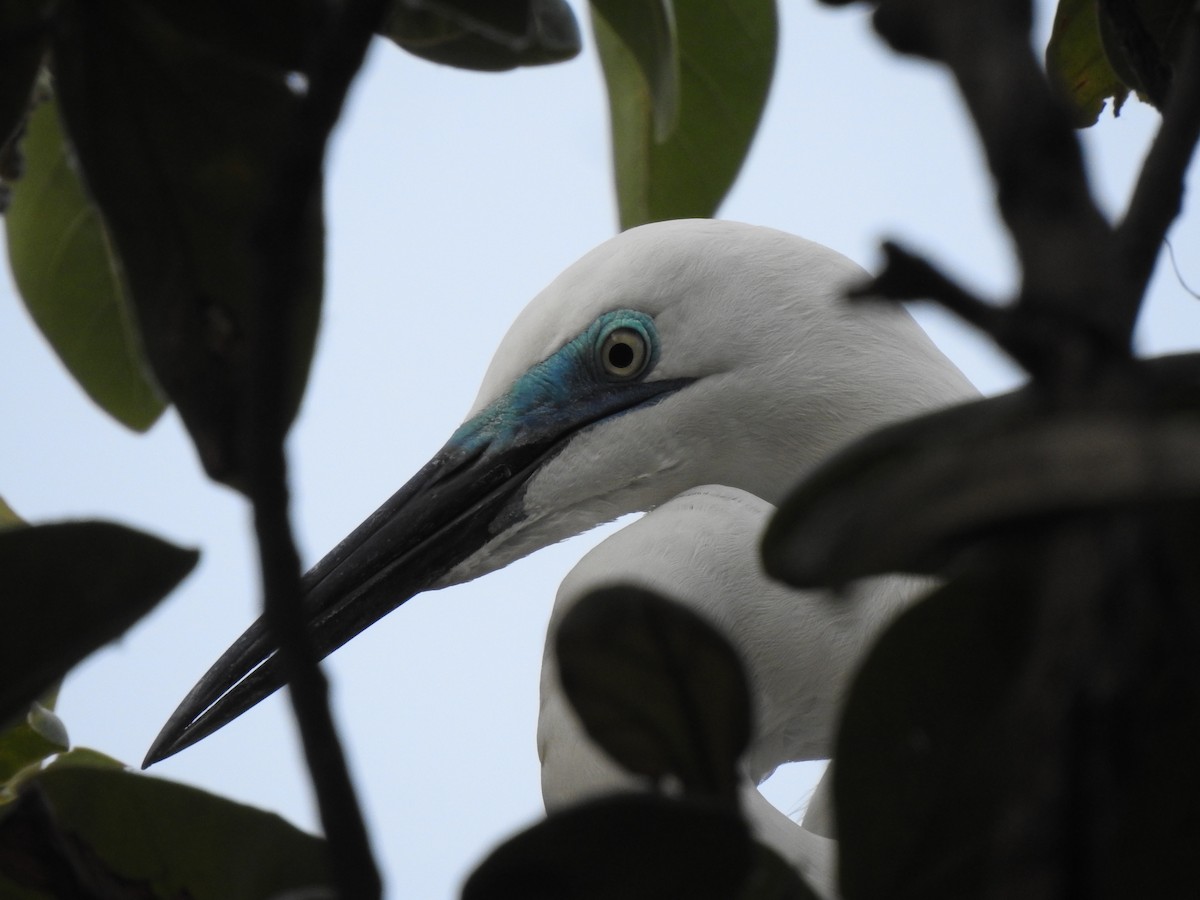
<point>620,356</point>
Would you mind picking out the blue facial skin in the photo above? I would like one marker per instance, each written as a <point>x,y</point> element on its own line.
<point>566,392</point>
<point>468,493</point>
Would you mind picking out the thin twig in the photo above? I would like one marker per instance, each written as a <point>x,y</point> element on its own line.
<point>1070,271</point>
<point>1158,196</point>
<point>279,246</point>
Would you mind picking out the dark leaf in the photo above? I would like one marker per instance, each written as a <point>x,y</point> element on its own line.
<point>63,266</point>
<point>91,831</point>
<point>24,34</point>
<point>485,35</point>
<point>678,149</point>
<point>910,497</point>
<point>922,758</point>
<point>1077,64</point>
<point>68,589</point>
<point>654,685</point>
<point>1142,40</point>
<point>632,846</point>
<point>180,113</point>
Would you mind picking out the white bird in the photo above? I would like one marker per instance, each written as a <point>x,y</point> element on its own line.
<point>799,648</point>
<point>675,355</point>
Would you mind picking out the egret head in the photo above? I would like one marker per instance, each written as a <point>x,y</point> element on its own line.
<point>674,355</point>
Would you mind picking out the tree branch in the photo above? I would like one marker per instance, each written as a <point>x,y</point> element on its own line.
<point>1071,274</point>
<point>279,246</point>
<point>1158,197</point>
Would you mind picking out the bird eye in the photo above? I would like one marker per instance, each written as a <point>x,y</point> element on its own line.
<point>624,353</point>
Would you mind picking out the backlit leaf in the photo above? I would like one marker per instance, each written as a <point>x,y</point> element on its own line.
<point>65,270</point>
<point>678,158</point>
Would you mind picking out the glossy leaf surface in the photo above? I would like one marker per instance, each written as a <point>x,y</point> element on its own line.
<point>487,36</point>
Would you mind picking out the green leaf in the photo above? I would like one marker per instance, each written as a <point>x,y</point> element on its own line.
<point>724,54</point>
<point>39,735</point>
<point>1078,65</point>
<point>911,497</point>
<point>71,283</point>
<point>657,687</point>
<point>646,28</point>
<point>485,35</point>
<point>8,518</point>
<point>68,589</point>
<point>180,113</point>
<point>128,835</point>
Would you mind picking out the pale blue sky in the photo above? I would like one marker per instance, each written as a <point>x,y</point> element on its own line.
<point>454,197</point>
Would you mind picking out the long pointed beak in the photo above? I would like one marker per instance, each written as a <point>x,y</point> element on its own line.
<point>464,497</point>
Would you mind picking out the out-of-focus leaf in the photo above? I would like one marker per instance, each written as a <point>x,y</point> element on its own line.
<point>909,497</point>
<point>1077,64</point>
<point>646,28</point>
<point>127,835</point>
<point>24,34</point>
<point>922,757</point>
<point>726,56</point>
<point>39,735</point>
<point>1019,731</point>
<point>179,114</point>
<point>8,518</point>
<point>86,756</point>
<point>70,588</point>
<point>1142,40</point>
<point>636,847</point>
<point>654,685</point>
<point>63,265</point>
<point>485,35</point>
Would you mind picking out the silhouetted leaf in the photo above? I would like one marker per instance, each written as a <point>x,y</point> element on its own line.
<point>24,34</point>
<point>1142,40</point>
<point>1077,64</point>
<point>636,847</point>
<point>485,35</point>
<point>910,497</point>
<point>68,589</point>
<point>126,835</point>
<point>923,760</point>
<point>179,114</point>
<point>71,283</point>
<point>654,685</point>
<point>724,54</point>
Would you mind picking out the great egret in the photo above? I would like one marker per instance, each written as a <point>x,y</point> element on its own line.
<point>677,354</point>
